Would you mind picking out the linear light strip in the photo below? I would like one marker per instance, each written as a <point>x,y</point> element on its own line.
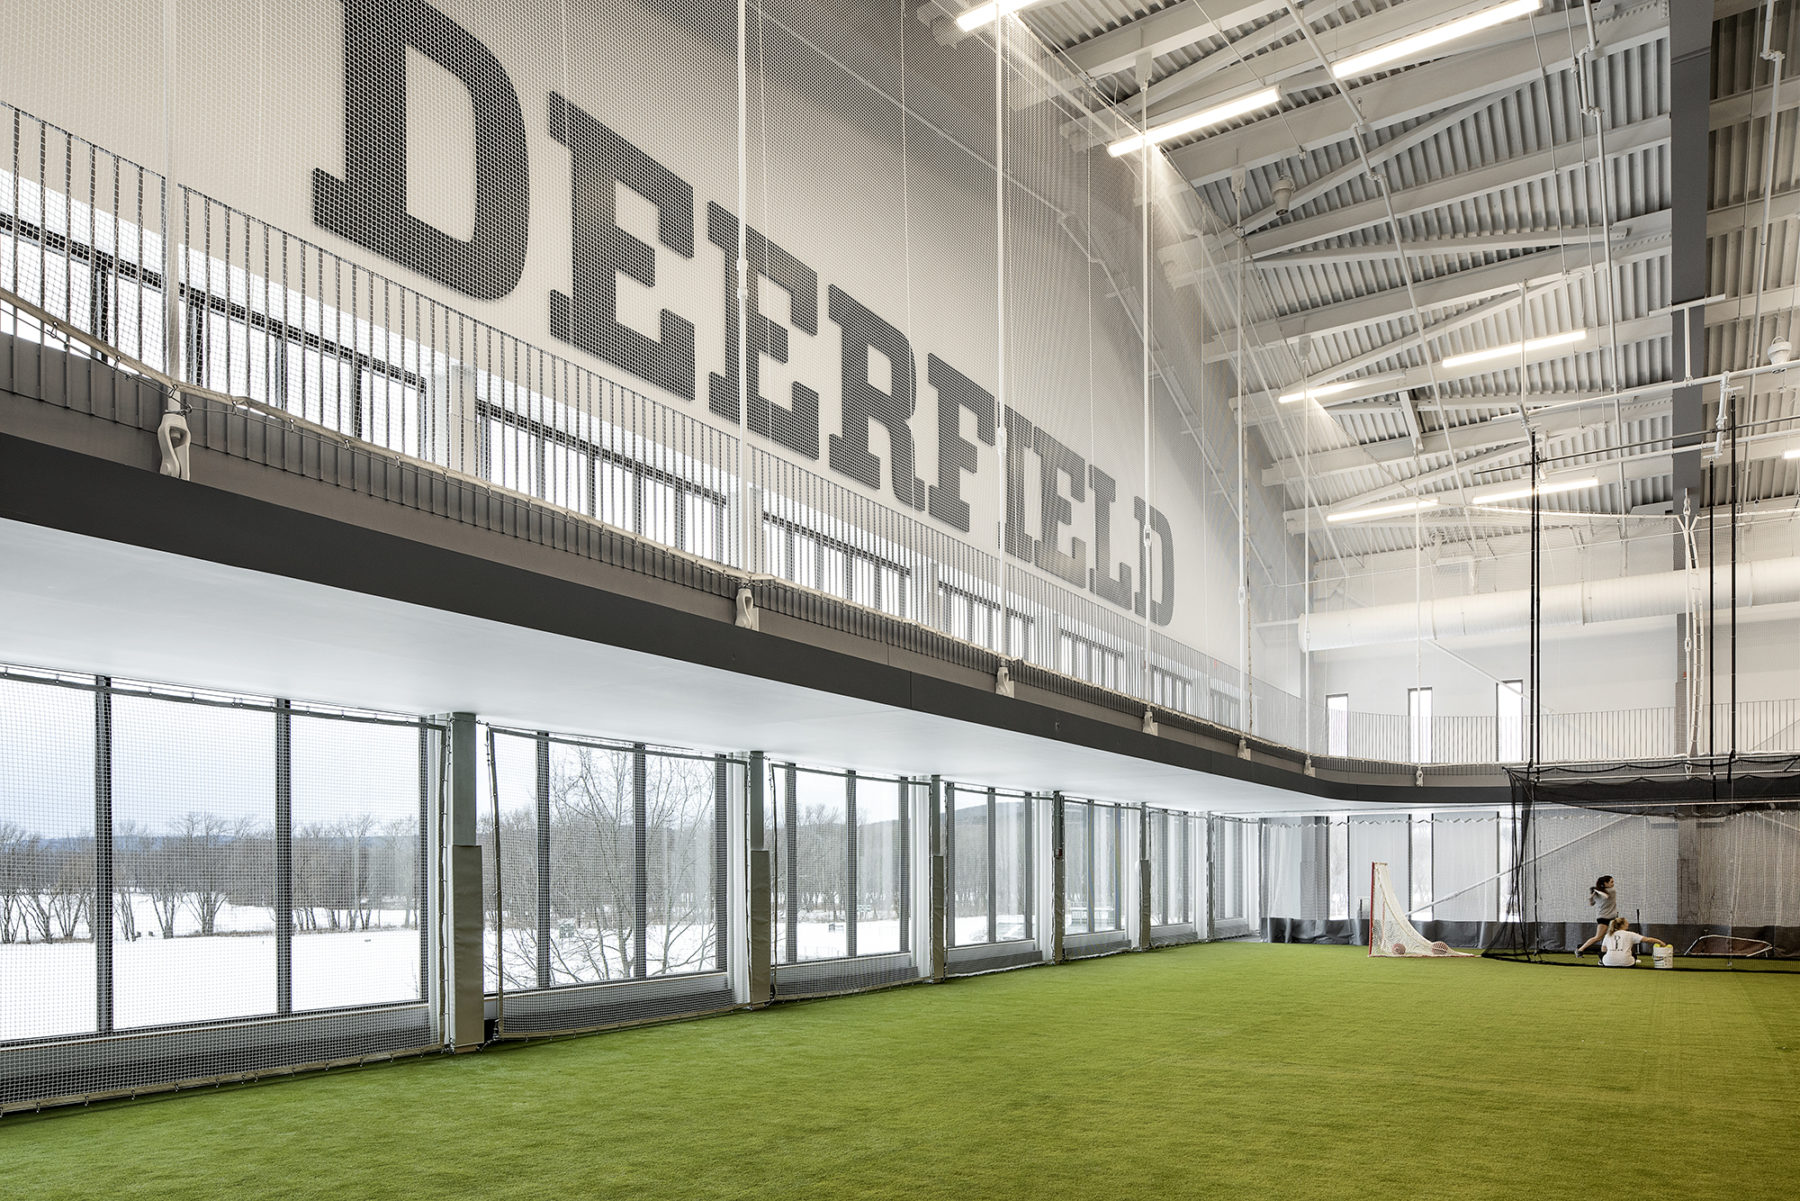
<point>1405,506</point>
<point>987,14</point>
<point>1199,120</point>
<point>1416,45</point>
<point>1515,349</point>
<point>1504,494</point>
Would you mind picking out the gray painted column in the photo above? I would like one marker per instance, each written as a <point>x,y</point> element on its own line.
<point>939,880</point>
<point>1058,898</point>
<point>1146,877</point>
<point>1690,79</point>
<point>284,857</point>
<point>760,978</point>
<point>100,915</point>
<point>464,1026</point>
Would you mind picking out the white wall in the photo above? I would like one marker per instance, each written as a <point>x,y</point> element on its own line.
<point>257,96</point>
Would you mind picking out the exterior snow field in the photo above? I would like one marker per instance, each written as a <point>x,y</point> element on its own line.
<point>1221,1071</point>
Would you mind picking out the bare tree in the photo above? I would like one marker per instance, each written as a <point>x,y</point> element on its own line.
<point>125,883</point>
<point>12,881</point>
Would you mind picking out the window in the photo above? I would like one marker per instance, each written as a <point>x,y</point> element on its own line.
<point>1418,724</point>
<point>968,616</point>
<point>1171,690</point>
<point>842,885</point>
<point>1225,707</point>
<point>576,473</point>
<point>838,568</point>
<point>988,845</point>
<point>1172,868</point>
<point>1337,725</point>
<point>1087,660</point>
<point>609,862</point>
<point>1509,721</point>
<point>96,265</point>
<point>1093,879</point>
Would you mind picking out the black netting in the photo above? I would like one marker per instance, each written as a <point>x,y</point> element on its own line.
<point>1703,854</point>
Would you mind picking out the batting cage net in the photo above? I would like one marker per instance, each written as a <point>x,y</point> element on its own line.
<point>1703,854</point>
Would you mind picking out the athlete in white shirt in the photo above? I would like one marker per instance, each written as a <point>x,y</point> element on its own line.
<point>1619,947</point>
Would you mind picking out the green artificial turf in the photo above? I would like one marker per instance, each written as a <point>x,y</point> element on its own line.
<point>1223,1071</point>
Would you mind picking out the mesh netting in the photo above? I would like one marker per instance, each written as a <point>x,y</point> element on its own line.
<point>1391,934</point>
<point>1702,853</point>
<point>843,882</point>
<point>199,886</point>
<point>606,870</point>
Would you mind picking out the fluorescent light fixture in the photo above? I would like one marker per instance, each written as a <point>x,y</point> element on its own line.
<point>1520,493</point>
<point>1199,120</point>
<point>1791,454</point>
<point>1416,45</point>
<point>1515,349</point>
<point>1322,390</point>
<point>1403,506</point>
<point>1369,383</point>
<point>987,14</point>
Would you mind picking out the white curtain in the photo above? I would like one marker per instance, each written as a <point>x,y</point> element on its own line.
<point>1465,862</point>
<point>1383,839</point>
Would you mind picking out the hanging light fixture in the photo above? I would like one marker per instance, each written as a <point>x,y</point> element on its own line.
<point>1416,45</point>
<point>1403,506</point>
<point>1515,349</point>
<point>1520,492</point>
<point>1199,120</point>
<point>987,14</point>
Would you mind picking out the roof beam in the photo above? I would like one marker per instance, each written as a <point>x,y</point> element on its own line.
<point>1479,435</point>
<point>1297,66</point>
<point>1450,244</point>
<point>1416,92</point>
<point>1458,287</point>
<point>1454,189</point>
<point>1161,33</point>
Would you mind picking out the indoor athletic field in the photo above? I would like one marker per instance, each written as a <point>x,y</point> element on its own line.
<point>1221,1070</point>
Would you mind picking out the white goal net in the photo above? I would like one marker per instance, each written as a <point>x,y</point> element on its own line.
<point>1391,932</point>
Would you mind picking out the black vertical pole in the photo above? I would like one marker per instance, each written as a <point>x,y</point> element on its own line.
<point>1712,610</point>
<point>850,874</point>
<point>284,857</point>
<point>100,914</point>
<point>640,865</point>
<point>543,859</point>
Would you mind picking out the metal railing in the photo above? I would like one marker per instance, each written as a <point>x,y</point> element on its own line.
<point>296,330</point>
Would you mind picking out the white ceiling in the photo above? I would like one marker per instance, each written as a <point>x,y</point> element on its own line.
<point>82,604</point>
<point>1492,228</point>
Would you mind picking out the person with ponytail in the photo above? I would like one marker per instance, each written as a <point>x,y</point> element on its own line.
<point>1604,894</point>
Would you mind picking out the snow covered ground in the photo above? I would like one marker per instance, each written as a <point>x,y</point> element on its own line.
<point>47,989</point>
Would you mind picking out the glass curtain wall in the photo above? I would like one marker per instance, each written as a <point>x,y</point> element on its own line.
<point>174,857</point>
<point>605,862</point>
<point>842,888</point>
<point>1172,856</point>
<point>989,851</point>
<point>1093,867</point>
